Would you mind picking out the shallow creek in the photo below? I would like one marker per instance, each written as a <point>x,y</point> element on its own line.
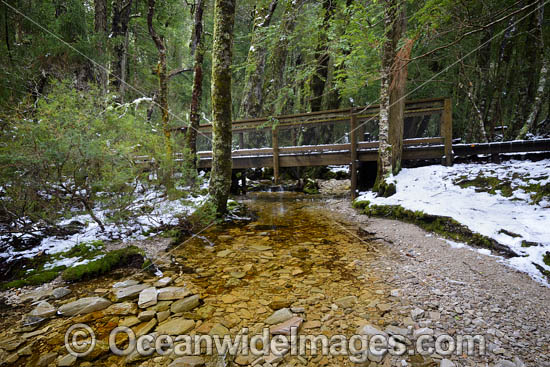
<point>292,255</point>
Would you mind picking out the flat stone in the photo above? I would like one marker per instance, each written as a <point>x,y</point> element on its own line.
<point>422,331</point>
<point>227,298</point>
<point>260,247</point>
<point>178,326</point>
<point>238,274</point>
<point>26,351</point>
<point>312,325</point>
<point>346,302</point>
<point>394,330</point>
<point>163,315</point>
<point>46,359</point>
<point>191,361</point>
<point>285,327</point>
<point>218,329</point>
<point>146,315</point>
<point>84,306</point>
<point>172,293</point>
<point>58,293</point>
<point>145,328</point>
<point>505,363</point>
<point>384,307</point>
<point>279,316</point>
<point>43,310</point>
<point>223,253</point>
<point>147,297</point>
<point>417,313</point>
<point>126,283</point>
<point>129,321</point>
<point>10,344</point>
<point>129,292</point>
<point>447,363</point>
<point>67,360</point>
<point>163,282</point>
<point>186,304</point>
<point>370,331</point>
<point>121,309</point>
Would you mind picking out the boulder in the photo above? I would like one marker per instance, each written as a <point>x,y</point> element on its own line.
<point>43,310</point>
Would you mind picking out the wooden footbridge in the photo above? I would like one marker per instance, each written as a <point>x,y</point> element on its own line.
<point>356,125</point>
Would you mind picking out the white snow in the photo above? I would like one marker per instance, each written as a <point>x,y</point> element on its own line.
<point>433,190</point>
<point>165,212</point>
<point>336,169</point>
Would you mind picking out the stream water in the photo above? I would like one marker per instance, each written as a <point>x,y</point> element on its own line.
<point>292,254</point>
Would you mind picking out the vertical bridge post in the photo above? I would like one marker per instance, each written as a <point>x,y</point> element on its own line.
<point>275,148</point>
<point>447,131</point>
<point>353,151</point>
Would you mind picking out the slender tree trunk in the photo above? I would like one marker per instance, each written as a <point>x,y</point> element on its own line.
<point>531,121</point>
<point>119,30</point>
<point>163,92</point>
<point>222,54</point>
<point>194,116</point>
<point>100,27</point>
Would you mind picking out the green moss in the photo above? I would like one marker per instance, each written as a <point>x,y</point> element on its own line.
<point>444,226</point>
<point>487,184</point>
<point>546,258</point>
<point>538,192</point>
<point>311,187</point>
<point>111,260</point>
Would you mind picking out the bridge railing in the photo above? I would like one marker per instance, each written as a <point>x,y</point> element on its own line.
<point>357,125</point>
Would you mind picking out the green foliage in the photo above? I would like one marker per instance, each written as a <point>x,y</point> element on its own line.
<point>111,260</point>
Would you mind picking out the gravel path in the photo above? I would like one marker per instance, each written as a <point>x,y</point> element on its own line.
<point>460,290</point>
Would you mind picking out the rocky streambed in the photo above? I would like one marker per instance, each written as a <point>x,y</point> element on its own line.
<point>293,266</point>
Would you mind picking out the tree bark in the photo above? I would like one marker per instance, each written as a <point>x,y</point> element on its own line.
<point>531,121</point>
<point>222,54</point>
<point>252,103</point>
<point>119,31</point>
<point>198,50</point>
<point>100,28</point>
<point>163,91</point>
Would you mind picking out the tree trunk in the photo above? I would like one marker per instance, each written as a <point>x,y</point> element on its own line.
<point>119,31</point>
<point>393,25</point>
<point>194,116</point>
<point>531,121</point>
<point>222,53</point>
<point>100,27</point>
<point>163,92</point>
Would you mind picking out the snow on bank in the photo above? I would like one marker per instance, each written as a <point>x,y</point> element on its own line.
<point>164,212</point>
<point>432,190</point>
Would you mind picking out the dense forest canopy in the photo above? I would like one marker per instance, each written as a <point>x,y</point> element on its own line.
<point>87,86</point>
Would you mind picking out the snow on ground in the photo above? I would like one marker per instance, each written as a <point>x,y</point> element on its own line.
<point>336,169</point>
<point>165,212</point>
<point>433,190</point>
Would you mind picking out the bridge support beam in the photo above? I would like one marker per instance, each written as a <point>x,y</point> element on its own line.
<point>275,147</point>
<point>353,151</point>
<point>447,131</point>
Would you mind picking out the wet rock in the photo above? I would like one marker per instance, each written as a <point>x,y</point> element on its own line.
<point>12,358</point>
<point>26,351</point>
<point>46,359</point>
<point>66,361</point>
<point>43,310</point>
<point>346,302</point>
<point>129,292</point>
<point>10,344</point>
<point>186,304</point>
<point>191,361</point>
<point>172,293</point>
<point>285,327</point>
<point>279,316</point>
<point>126,283</point>
<point>59,293</point>
<point>84,306</point>
<point>176,326</point>
<point>147,297</point>
<point>146,315</point>
<point>163,282</point>
<point>121,309</point>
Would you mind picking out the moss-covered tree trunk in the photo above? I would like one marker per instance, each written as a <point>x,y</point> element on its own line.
<point>163,94</point>
<point>222,54</point>
<point>194,116</point>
